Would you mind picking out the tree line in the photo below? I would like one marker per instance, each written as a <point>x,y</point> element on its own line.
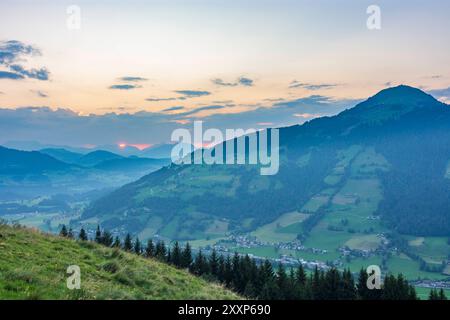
<point>260,280</point>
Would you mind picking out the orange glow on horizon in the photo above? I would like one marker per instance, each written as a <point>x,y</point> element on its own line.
<point>140,146</point>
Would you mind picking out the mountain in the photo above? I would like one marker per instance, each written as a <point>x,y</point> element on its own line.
<point>95,157</point>
<point>62,154</point>
<point>34,266</point>
<point>30,174</point>
<point>15,162</point>
<point>162,151</point>
<point>385,158</point>
<point>131,164</point>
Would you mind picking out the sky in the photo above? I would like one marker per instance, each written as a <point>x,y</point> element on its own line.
<point>163,64</point>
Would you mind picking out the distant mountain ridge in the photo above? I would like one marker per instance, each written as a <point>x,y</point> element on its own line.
<point>50,171</point>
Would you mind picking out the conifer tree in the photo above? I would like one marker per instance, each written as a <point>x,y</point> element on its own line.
<point>282,282</point>
<point>83,236</point>
<point>137,246</point>
<point>347,288</point>
<point>200,265</point>
<point>221,269</point>
<point>214,263</point>
<point>433,295</point>
<point>106,239</point>
<point>116,243</point>
<point>70,234</point>
<point>301,276</point>
<point>442,295</point>
<point>63,232</point>
<point>150,249</point>
<point>128,244</point>
<point>161,251</point>
<point>363,291</point>
<point>186,256</point>
<point>176,255</point>
<point>98,235</point>
<point>228,275</point>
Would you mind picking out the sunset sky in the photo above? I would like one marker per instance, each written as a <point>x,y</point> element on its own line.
<point>206,58</point>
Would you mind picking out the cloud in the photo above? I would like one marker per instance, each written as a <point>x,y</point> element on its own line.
<point>435,76</point>
<point>312,87</point>
<point>39,93</point>
<point>220,82</point>
<point>204,108</point>
<point>39,74</point>
<point>124,86</point>
<point>10,75</point>
<point>12,52</point>
<point>165,99</point>
<point>132,79</point>
<point>185,94</point>
<point>243,81</point>
<point>223,101</point>
<point>56,127</point>
<point>274,99</point>
<point>176,108</point>
<point>440,93</point>
<point>193,93</point>
<point>307,115</point>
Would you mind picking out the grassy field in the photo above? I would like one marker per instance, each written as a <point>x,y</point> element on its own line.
<point>410,268</point>
<point>278,231</point>
<point>423,293</point>
<point>33,266</point>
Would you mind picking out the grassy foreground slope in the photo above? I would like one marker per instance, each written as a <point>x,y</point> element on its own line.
<point>33,266</point>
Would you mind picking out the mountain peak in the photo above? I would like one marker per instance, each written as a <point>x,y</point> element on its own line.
<point>393,102</point>
<point>402,94</point>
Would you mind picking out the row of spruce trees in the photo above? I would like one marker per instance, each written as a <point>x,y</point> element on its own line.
<point>255,280</point>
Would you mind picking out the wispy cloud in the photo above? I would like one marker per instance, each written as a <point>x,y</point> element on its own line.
<point>124,86</point>
<point>443,93</point>
<point>176,108</point>
<point>184,94</point>
<point>165,99</point>
<point>132,79</point>
<point>11,53</point>
<point>199,109</point>
<point>243,81</point>
<point>10,75</point>
<point>274,99</point>
<point>220,82</point>
<point>310,86</point>
<point>40,93</point>
<point>39,74</point>
<point>193,93</point>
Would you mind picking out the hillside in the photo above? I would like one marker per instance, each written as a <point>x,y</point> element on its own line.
<point>15,162</point>
<point>96,157</point>
<point>386,157</point>
<point>62,154</point>
<point>33,266</point>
